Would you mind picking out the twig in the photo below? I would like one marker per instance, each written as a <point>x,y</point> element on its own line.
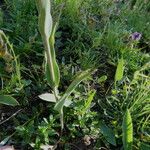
<point>10,117</point>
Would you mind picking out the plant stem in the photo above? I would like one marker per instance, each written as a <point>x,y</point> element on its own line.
<point>55,90</point>
<point>62,119</point>
<point>49,59</point>
<point>17,66</point>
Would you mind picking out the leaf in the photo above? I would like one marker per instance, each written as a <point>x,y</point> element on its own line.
<point>108,133</point>
<point>67,103</point>
<point>59,105</point>
<point>8,100</point>
<point>144,146</point>
<point>5,141</point>
<point>120,70</point>
<point>45,18</point>
<point>88,102</point>
<point>47,31</point>
<point>127,129</point>
<point>7,148</point>
<point>49,77</point>
<point>51,98</point>
<point>102,79</point>
<point>48,97</point>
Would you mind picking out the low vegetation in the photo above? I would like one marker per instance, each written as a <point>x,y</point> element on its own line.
<point>75,74</point>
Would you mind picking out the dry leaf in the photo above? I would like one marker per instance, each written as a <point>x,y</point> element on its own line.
<point>7,148</point>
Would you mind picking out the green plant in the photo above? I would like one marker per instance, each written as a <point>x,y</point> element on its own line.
<point>8,100</point>
<point>127,130</point>
<point>6,55</point>
<point>47,30</point>
<point>119,70</point>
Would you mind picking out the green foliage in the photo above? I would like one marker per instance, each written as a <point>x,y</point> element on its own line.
<point>144,146</point>
<point>47,31</point>
<point>72,86</point>
<point>91,34</point>
<point>119,70</point>
<point>108,133</point>
<point>88,102</point>
<point>8,100</point>
<point>1,17</point>
<point>102,79</point>
<point>48,97</point>
<point>127,130</point>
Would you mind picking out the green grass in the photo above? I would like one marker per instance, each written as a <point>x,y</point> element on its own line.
<point>91,34</point>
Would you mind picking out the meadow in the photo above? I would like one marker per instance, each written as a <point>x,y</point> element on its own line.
<point>75,74</point>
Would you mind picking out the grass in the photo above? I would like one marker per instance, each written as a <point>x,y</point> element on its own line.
<point>91,34</point>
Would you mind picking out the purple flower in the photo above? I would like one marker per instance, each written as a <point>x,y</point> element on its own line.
<point>136,36</point>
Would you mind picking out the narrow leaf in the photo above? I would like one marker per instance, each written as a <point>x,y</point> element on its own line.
<point>127,129</point>
<point>48,97</point>
<point>47,31</point>
<point>88,102</point>
<point>77,80</point>
<point>4,141</point>
<point>102,79</point>
<point>8,100</point>
<point>120,70</point>
<point>144,146</point>
<point>108,133</point>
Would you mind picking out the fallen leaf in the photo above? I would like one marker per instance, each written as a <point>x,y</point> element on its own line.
<point>7,148</point>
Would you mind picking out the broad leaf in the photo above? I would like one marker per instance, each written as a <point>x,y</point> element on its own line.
<point>108,133</point>
<point>45,18</point>
<point>47,31</point>
<point>51,98</point>
<point>8,100</point>
<point>77,80</point>
<point>127,129</point>
<point>48,97</point>
<point>120,70</point>
<point>67,103</point>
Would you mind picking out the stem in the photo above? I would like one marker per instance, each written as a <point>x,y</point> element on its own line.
<point>49,59</point>
<point>62,119</point>
<point>55,90</point>
<point>17,67</point>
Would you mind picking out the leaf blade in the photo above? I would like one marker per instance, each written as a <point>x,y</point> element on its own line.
<point>73,85</point>
<point>108,133</point>
<point>119,70</point>
<point>144,146</point>
<point>8,100</point>
<point>48,97</point>
<point>127,129</point>
<point>47,31</point>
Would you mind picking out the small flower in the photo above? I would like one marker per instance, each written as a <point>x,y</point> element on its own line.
<point>136,36</point>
